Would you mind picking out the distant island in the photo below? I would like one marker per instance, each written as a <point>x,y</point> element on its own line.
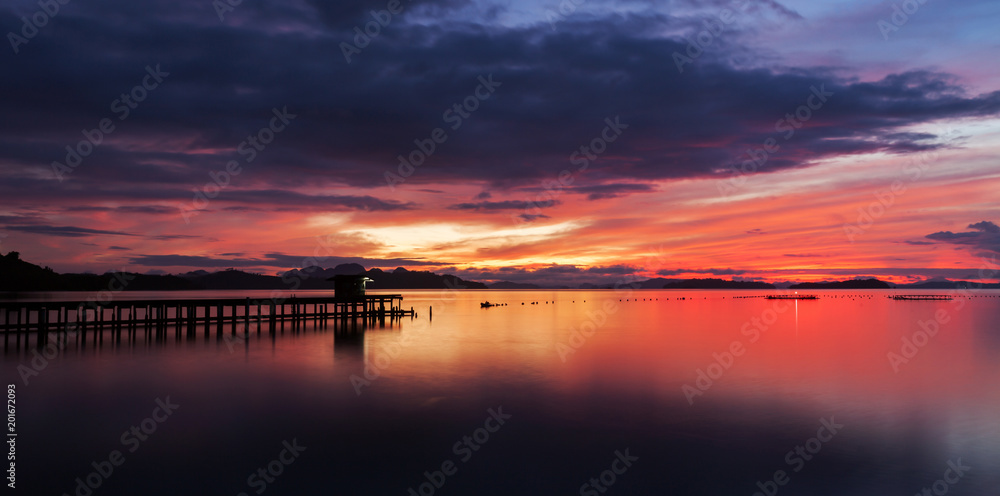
<point>717,284</point>
<point>661,283</point>
<point>513,285</point>
<point>852,284</point>
<point>947,284</point>
<point>19,275</point>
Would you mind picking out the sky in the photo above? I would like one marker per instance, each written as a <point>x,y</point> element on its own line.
<point>530,141</point>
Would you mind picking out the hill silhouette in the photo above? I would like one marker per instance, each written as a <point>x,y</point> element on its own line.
<point>948,284</point>
<point>852,284</point>
<point>513,285</point>
<point>18,275</point>
<point>717,284</point>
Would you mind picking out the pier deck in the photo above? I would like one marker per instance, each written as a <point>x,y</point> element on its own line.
<point>48,316</point>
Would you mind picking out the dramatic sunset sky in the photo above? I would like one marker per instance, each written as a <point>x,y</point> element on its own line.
<point>913,104</point>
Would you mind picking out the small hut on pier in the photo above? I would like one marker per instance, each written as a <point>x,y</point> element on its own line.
<point>349,287</point>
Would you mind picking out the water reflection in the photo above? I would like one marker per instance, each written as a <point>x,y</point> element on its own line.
<point>580,379</point>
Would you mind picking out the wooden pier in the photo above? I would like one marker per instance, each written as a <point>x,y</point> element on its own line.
<point>154,318</point>
<point>792,297</point>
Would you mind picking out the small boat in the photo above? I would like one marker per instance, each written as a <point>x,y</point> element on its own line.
<point>487,305</point>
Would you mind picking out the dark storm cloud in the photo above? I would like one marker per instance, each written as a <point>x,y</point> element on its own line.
<point>283,260</point>
<point>22,219</point>
<point>613,270</point>
<point>278,260</point>
<point>170,237</point>
<point>986,227</point>
<point>323,202</point>
<point>345,15</point>
<point>353,120</point>
<point>25,189</point>
<point>985,235</point>
<point>193,261</point>
<point>127,209</point>
<point>66,231</point>
<point>717,272</point>
<point>613,190</point>
<point>489,206</point>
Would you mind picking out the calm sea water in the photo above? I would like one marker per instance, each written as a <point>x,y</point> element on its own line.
<point>585,394</point>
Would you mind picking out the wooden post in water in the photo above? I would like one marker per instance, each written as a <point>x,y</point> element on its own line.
<point>27,327</point>
<point>282,319</point>
<point>219,311</point>
<point>123,325</point>
<point>18,329</point>
<point>271,317</point>
<point>246,317</point>
<point>100,327</point>
<point>43,327</point>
